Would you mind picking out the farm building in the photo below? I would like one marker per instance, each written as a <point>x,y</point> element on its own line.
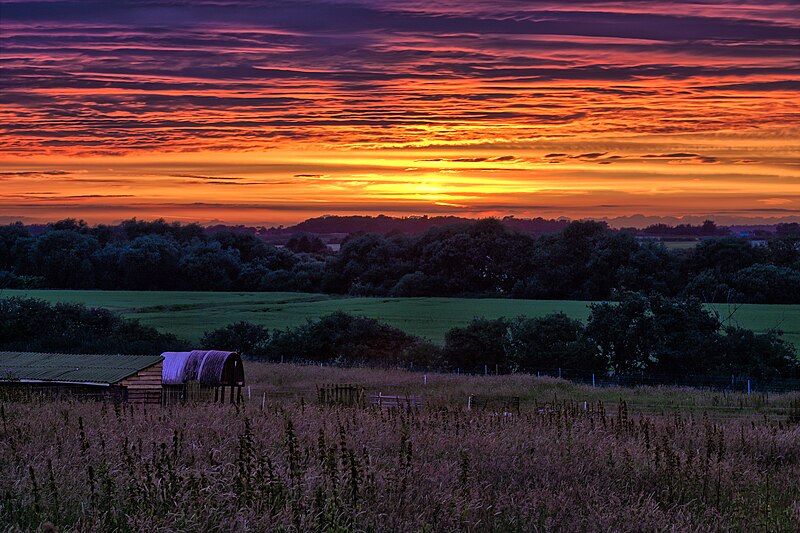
<point>124,378</point>
<point>202,375</point>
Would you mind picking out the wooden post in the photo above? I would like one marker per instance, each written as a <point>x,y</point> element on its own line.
<point>469,403</point>
<point>263,401</point>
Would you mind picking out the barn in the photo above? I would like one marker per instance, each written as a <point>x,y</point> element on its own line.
<point>122,378</point>
<point>202,375</point>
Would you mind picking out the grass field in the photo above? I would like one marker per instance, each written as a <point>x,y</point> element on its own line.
<point>189,314</point>
<point>626,460</point>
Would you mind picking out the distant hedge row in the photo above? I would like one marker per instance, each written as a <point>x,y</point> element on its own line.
<point>30,325</point>
<point>639,334</point>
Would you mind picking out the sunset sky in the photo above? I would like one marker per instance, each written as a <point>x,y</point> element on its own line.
<point>270,112</point>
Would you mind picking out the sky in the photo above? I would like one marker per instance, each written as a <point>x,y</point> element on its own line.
<point>270,112</point>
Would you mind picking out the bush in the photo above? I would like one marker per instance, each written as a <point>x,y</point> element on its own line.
<point>35,326</point>
<point>243,337</point>
<point>550,342</point>
<point>340,337</point>
<point>479,343</point>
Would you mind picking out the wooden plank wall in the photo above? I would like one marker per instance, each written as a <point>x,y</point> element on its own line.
<point>145,385</point>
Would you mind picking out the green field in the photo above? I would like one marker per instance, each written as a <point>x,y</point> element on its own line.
<point>189,314</point>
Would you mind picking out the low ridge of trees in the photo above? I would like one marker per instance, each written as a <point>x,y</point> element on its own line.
<point>584,261</point>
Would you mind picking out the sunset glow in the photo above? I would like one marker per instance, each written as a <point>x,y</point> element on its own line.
<point>269,112</point>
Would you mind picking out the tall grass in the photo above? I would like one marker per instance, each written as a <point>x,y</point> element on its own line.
<point>303,467</point>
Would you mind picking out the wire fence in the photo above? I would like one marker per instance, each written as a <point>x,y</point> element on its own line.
<point>731,382</point>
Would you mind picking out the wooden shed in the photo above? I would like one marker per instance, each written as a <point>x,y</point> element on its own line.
<point>124,378</point>
<point>202,375</point>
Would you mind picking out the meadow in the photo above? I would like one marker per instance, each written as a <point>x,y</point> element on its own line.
<point>711,462</point>
<point>190,314</point>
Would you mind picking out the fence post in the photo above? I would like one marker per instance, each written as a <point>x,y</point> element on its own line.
<point>458,371</point>
<point>496,369</point>
<point>469,403</point>
<point>592,383</point>
<point>732,377</point>
<point>748,385</point>
<point>281,359</point>
<point>538,375</point>
<point>485,370</point>
<point>425,379</point>
<point>559,372</point>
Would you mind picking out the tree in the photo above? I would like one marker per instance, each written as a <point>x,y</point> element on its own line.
<point>306,243</point>
<point>725,255</point>
<point>340,337</point>
<point>148,262</point>
<point>243,337</point>
<point>9,235</point>
<point>653,333</point>
<point>206,266</point>
<point>64,259</point>
<point>36,326</point>
<point>760,284</point>
<point>479,343</point>
<point>744,352</point>
<point>550,342</point>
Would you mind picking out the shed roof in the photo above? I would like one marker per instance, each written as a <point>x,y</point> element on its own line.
<point>102,369</point>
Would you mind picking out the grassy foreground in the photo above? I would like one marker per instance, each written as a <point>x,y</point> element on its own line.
<point>189,314</point>
<point>296,465</point>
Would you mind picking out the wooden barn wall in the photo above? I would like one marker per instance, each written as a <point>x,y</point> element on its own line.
<point>145,385</point>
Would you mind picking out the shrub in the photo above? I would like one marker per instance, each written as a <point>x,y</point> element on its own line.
<point>35,326</point>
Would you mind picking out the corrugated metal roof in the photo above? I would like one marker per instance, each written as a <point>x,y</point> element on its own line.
<point>209,367</point>
<point>62,367</point>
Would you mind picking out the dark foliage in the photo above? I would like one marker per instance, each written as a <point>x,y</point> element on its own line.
<point>586,260</point>
<point>243,337</point>
<point>641,335</point>
<point>551,342</point>
<point>35,326</point>
<point>335,338</point>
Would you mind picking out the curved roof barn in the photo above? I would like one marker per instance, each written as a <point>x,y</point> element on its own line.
<point>211,368</point>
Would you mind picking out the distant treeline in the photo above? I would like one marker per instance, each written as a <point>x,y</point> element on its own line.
<point>584,261</point>
<point>642,335</point>
<point>385,225</point>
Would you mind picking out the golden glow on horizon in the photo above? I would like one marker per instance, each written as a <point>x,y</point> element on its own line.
<point>595,110</point>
